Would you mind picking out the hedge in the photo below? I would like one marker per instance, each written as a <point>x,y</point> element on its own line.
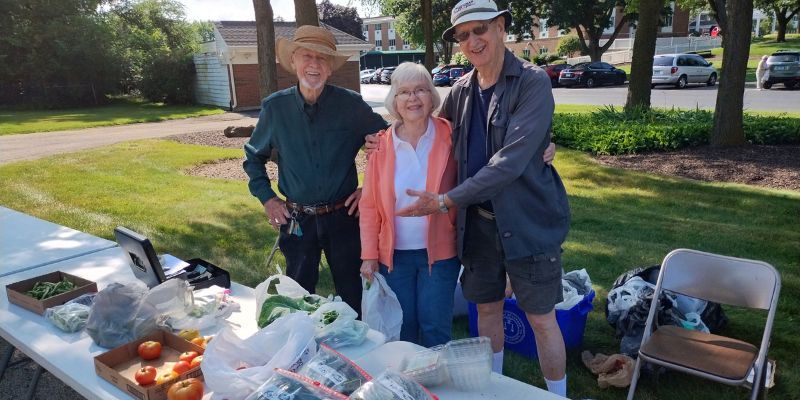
<point>613,131</point>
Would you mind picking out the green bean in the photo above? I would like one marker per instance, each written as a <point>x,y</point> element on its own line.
<point>44,290</point>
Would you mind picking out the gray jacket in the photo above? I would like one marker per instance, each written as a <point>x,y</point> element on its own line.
<point>529,200</point>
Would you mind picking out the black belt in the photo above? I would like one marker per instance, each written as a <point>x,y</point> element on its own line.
<point>317,209</point>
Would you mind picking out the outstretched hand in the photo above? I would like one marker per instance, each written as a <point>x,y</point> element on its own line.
<point>426,204</point>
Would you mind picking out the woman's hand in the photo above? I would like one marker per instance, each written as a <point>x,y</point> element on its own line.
<point>368,267</point>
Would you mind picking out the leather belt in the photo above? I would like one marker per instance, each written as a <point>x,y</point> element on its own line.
<point>315,209</point>
<point>484,213</point>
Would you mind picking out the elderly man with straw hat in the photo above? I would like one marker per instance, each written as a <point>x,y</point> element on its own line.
<point>513,213</point>
<point>317,130</point>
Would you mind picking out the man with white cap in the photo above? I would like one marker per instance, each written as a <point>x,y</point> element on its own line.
<point>317,130</point>
<point>513,213</point>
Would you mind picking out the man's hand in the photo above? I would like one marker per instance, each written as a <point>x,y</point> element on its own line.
<point>371,143</point>
<point>549,154</point>
<point>276,211</point>
<point>352,202</point>
<point>368,267</point>
<point>427,204</point>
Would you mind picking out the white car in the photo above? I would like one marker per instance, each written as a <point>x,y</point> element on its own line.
<point>681,70</point>
<point>364,75</point>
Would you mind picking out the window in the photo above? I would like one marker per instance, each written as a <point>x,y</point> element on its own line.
<point>406,47</point>
<point>667,21</point>
<point>378,43</point>
<point>543,29</point>
<point>543,50</point>
<point>366,35</point>
<point>391,42</point>
<point>606,66</point>
<point>526,52</point>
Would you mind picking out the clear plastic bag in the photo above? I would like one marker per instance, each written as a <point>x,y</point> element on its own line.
<point>119,315</point>
<point>70,317</point>
<point>285,385</point>
<point>380,308</point>
<point>391,385</point>
<point>337,325</point>
<point>334,370</point>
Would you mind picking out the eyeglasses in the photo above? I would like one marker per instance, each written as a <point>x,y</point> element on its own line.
<point>405,95</point>
<point>477,31</point>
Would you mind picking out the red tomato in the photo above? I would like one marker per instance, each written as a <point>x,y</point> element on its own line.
<point>196,361</point>
<point>181,367</point>
<point>166,377</point>
<point>149,350</point>
<point>146,375</point>
<point>188,356</point>
<point>187,389</point>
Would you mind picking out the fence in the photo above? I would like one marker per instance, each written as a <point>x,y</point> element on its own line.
<point>621,51</point>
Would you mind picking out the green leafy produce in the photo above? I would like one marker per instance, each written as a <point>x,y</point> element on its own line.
<point>329,317</point>
<point>44,290</point>
<point>276,306</point>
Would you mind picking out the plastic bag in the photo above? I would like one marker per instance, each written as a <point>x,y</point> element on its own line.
<point>277,284</point>
<point>280,295</point>
<point>575,284</point>
<point>614,370</point>
<point>334,370</point>
<point>380,308</point>
<point>234,367</point>
<point>119,315</point>
<point>391,385</point>
<point>172,298</point>
<point>285,385</point>
<point>70,317</point>
<point>337,326</point>
<point>209,306</point>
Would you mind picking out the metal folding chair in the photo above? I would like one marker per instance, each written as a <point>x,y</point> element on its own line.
<point>721,279</point>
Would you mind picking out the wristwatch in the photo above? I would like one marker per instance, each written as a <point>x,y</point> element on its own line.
<point>442,205</point>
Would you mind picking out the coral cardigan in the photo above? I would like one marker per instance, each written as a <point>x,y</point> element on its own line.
<point>378,198</point>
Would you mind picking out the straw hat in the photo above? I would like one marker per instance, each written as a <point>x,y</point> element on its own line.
<point>312,38</point>
<point>474,10</point>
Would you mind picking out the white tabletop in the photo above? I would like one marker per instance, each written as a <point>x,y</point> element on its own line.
<point>392,354</point>
<point>70,357</point>
<point>28,242</point>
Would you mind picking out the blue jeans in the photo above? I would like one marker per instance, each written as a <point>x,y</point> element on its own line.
<point>426,298</point>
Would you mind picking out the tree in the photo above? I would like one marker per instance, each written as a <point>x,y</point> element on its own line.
<point>644,47</point>
<point>568,46</point>
<point>305,13</point>
<point>265,33</point>
<point>427,33</point>
<point>343,18</point>
<point>459,59</point>
<point>408,21</point>
<point>784,11</point>
<point>735,17</point>
<point>589,18</point>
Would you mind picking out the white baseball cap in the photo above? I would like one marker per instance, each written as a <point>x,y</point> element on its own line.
<point>473,10</point>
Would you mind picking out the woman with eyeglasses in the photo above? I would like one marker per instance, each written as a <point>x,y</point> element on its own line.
<point>416,255</point>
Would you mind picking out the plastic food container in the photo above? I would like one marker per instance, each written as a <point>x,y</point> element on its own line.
<point>426,367</point>
<point>288,385</point>
<point>334,370</point>
<point>392,386</point>
<point>469,362</point>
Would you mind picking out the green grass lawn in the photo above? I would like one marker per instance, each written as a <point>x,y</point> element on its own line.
<point>621,220</point>
<point>120,112</point>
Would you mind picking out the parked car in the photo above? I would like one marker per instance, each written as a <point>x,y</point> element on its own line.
<point>784,67</point>
<point>442,76</point>
<point>456,74</point>
<point>386,75</point>
<point>553,72</point>
<point>591,74</point>
<point>681,70</point>
<point>376,76</point>
<point>365,75</point>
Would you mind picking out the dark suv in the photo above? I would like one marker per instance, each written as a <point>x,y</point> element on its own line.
<point>784,67</point>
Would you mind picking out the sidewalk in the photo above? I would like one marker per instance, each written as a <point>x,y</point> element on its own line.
<point>36,145</point>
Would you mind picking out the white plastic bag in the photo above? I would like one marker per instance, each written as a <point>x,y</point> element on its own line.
<point>285,286</point>
<point>234,367</point>
<point>211,306</point>
<point>336,325</point>
<point>380,308</point>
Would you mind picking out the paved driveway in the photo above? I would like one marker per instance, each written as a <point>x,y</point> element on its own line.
<point>36,145</point>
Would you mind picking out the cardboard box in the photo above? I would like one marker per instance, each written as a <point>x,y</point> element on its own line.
<point>119,365</point>
<point>17,291</point>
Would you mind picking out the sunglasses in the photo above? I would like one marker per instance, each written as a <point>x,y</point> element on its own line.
<point>477,31</point>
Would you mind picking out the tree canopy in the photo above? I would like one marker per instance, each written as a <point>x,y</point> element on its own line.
<point>343,18</point>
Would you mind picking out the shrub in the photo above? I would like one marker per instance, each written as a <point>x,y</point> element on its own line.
<point>168,79</point>
<point>568,45</point>
<point>613,131</point>
<point>459,59</point>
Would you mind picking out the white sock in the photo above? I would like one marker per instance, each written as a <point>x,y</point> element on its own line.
<point>558,387</point>
<point>497,362</point>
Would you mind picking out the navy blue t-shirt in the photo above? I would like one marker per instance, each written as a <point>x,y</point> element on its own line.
<point>478,141</point>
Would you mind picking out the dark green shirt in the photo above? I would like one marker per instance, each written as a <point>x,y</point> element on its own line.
<point>316,143</point>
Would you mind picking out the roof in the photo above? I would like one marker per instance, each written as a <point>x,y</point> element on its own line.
<point>243,33</point>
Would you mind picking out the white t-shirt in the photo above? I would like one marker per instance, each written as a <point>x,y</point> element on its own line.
<point>411,172</point>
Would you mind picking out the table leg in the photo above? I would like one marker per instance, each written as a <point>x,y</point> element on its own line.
<point>34,382</point>
<point>6,357</point>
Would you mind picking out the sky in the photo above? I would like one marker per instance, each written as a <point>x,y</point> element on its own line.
<point>242,10</point>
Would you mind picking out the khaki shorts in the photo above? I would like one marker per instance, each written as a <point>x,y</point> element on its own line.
<point>536,279</point>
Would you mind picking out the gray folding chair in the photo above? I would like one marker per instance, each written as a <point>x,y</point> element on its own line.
<point>726,280</point>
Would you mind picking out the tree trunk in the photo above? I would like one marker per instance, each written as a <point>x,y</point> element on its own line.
<point>782,22</point>
<point>265,33</point>
<point>728,117</point>
<point>427,28</point>
<point>305,13</point>
<point>644,47</point>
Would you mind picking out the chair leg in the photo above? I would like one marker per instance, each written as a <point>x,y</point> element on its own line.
<point>760,382</point>
<point>635,377</point>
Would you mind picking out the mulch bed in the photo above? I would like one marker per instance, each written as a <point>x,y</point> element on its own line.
<point>775,167</point>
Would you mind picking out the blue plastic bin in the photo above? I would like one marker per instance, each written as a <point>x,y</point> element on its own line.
<point>519,334</point>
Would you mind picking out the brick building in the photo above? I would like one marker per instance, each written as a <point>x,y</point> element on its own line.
<point>227,68</point>
<point>379,31</point>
